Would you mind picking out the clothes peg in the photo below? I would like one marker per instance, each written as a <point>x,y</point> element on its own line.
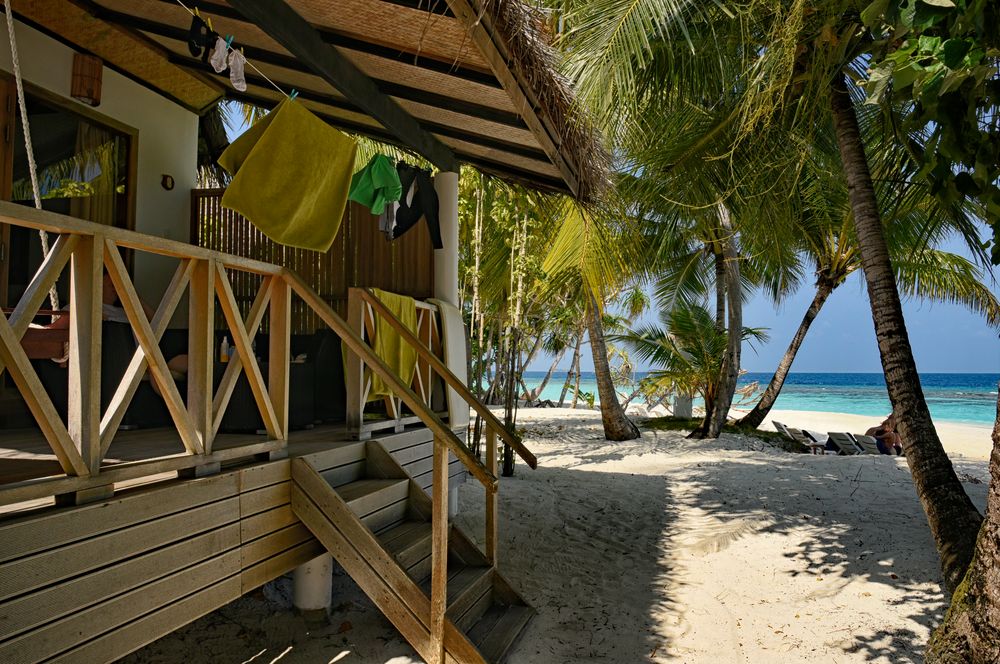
<point>294,94</point>
<point>229,42</point>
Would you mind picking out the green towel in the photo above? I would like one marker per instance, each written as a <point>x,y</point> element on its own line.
<point>291,172</point>
<point>376,184</point>
<point>389,345</point>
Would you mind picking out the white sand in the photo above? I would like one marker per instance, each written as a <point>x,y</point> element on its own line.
<point>661,550</point>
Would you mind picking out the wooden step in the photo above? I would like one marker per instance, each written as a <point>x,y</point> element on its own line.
<point>379,503</point>
<point>498,629</point>
<point>409,542</point>
<point>470,592</point>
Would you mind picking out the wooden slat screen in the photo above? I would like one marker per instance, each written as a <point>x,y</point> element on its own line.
<point>360,256</point>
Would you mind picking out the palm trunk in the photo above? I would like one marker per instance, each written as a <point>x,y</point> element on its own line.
<point>617,426</point>
<point>754,418</point>
<point>572,367</point>
<point>537,392</point>
<point>971,629</point>
<point>953,519</point>
<point>734,311</point>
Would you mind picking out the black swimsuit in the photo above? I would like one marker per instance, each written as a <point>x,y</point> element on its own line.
<point>424,204</point>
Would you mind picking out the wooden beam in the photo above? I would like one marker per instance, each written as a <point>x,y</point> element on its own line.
<point>235,365</point>
<point>201,350</point>
<point>150,346</point>
<point>477,23</point>
<point>137,366</point>
<point>227,301</point>
<point>83,419</point>
<point>38,402</point>
<point>280,352</point>
<point>439,550</point>
<point>284,25</point>
<point>491,497</point>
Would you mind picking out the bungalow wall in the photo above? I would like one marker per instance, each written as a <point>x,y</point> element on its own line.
<point>167,139</point>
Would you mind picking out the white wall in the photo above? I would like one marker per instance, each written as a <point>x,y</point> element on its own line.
<point>167,143</point>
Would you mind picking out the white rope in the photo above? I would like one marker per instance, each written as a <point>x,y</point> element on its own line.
<point>32,168</point>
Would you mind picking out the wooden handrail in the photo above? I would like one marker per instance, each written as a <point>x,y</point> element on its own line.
<point>358,346</point>
<point>19,215</point>
<point>450,378</point>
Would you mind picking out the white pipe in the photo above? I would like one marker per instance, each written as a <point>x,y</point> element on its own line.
<point>312,584</point>
<point>446,259</point>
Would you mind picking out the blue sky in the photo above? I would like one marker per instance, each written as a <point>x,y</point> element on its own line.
<point>945,338</point>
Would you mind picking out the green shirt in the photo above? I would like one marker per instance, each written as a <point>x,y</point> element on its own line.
<point>376,184</point>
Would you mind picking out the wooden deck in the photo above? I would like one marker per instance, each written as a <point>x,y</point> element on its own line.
<point>26,459</point>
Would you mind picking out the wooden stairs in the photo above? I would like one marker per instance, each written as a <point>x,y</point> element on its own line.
<point>377,523</point>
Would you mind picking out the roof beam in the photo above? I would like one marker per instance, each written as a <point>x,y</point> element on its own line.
<point>295,34</point>
<point>401,54</point>
<point>481,33</point>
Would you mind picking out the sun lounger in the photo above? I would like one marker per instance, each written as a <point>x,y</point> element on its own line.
<point>799,436</point>
<point>844,442</point>
<point>867,444</point>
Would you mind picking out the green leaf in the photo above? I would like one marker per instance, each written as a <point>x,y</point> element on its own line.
<point>939,3</point>
<point>872,14</point>
<point>955,51</point>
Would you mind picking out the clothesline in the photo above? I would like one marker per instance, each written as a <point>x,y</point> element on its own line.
<point>229,47</point>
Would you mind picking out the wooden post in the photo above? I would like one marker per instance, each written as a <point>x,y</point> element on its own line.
<point>354,371</point>
<point>491,497</point>
<point>85,303</point>
<point>201,350</point>
<point>439,550</point>
<point>279,353</point>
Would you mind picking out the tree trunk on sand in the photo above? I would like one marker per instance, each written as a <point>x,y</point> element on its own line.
<point>573,367</point>
<point>754,418</point>
<point>617,425</point>
<point>971,628</point>
<point>537,392</point>
<point>734,312</point>
<point>953,519</point>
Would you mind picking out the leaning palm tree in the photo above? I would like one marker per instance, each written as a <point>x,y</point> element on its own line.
<point>585,251</point>
<point>793,64</point>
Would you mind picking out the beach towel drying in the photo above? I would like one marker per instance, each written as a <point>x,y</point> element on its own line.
<point>376,185</point>
<point>291,174</point>
<point>389,346</point>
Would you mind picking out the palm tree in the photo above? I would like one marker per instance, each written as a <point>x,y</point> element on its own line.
<point>921,271</point>
<point>788,62</point>
<point>586,251</point>
<point>688,349</point>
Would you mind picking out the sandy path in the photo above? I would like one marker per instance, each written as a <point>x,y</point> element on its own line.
<point>659,550</point>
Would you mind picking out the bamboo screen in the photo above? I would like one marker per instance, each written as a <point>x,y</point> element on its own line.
<point>360,256</point>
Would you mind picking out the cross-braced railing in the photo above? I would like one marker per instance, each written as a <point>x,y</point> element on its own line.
<point>362,318</point>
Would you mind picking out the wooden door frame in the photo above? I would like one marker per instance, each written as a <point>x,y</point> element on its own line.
<point>9,115</point>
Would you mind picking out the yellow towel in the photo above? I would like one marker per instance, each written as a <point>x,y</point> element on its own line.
<point>291,174</point>
<point>389,346</point>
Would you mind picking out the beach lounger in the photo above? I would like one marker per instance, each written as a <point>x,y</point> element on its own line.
<point>844,442</point>
<point>867,444</point>
<point>799,436</point>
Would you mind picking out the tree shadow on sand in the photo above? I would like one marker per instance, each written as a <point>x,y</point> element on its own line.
<point>601,572</point>
<point>851,534</point>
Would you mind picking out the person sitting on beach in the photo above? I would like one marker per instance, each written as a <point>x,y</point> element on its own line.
<point>886,438</point>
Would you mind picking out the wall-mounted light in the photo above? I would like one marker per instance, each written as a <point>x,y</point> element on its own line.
<point>88,73</point>
<point>167,182</point>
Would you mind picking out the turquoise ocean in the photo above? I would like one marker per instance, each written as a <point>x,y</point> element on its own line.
<point>968,398</point>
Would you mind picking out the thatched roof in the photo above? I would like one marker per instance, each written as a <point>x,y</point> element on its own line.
<point>478,76</point>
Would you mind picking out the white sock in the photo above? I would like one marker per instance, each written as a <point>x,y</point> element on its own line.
<point>218,57</point>
<point>236,61</point>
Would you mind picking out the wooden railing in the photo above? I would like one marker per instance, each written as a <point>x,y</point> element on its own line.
<point>361,317</point>
<point>439,491</point>
<point>82,443</point>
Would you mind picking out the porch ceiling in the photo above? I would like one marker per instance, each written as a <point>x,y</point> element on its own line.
<point>456,77</point>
